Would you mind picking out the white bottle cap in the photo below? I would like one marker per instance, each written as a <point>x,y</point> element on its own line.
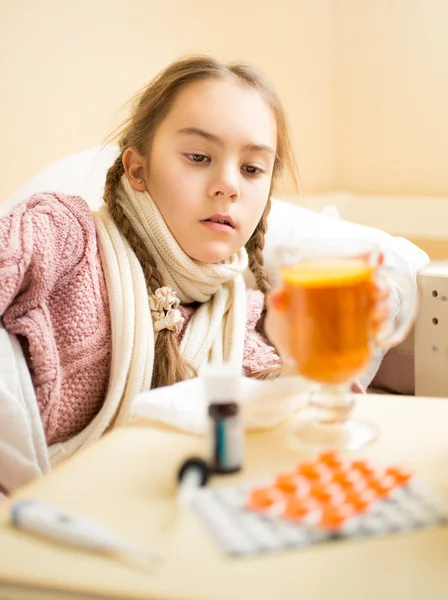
<point>222,382</point>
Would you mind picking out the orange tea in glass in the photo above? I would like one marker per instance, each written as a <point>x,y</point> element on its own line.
<point>329,298</point>
<point>330,302</point>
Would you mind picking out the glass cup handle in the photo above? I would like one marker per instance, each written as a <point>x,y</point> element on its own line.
<point>407,311</point>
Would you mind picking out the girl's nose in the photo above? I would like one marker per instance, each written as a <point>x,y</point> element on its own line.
<point>225,184</point>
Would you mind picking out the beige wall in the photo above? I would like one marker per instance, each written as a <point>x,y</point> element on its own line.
<point>391,96</point>
<point>365,82</point>
<point>67,67</point>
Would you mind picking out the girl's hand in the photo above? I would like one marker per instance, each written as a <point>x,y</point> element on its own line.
<point>383,309</point>
<point>277,329</point>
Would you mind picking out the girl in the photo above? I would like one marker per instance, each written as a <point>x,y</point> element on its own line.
<point>151,287</point>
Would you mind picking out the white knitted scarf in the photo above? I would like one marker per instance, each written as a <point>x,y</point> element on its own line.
<point>216,330</point>
<point>215,333</point>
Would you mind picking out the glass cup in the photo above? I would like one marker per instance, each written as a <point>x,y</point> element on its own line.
<point>329,296</point>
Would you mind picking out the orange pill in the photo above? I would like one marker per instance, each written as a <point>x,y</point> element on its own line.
<point>286,482</point>
<point>381,485</point>
<point>366,467</point>
<point>315,472</point>
<point>401,476</point>
<point>361,501</point>
<point>334,460</point>
<point>349,480</point>
<point>298,509</point>
<point>263,498</point>
<point>334,517</point>
<point>328,494</point>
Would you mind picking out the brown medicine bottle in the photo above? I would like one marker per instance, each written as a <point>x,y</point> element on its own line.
<point>225,427</point>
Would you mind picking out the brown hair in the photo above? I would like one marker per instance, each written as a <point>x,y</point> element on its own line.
<point>150,108</point>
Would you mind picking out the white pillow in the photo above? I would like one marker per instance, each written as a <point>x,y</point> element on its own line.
<point>81,174</point>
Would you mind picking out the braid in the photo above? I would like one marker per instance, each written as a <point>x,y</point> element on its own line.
<point>254,249</point>
<point>169,366</point>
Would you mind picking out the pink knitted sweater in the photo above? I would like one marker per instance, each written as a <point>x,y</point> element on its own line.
<point>53,296</point>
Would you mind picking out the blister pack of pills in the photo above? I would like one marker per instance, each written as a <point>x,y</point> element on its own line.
<point>329,498</point>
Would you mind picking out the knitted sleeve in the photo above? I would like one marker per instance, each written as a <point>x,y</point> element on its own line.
<point>41,240</point>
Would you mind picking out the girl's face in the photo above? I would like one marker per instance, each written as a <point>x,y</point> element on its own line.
<point>210,167</point>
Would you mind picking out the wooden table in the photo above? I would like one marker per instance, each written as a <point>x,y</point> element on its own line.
<point>127,482</point>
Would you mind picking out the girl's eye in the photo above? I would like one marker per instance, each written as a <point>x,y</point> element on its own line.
<point>197,158</point>
<point>251,170</point>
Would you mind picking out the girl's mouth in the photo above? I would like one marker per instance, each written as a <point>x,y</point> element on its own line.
<point>218,225</point>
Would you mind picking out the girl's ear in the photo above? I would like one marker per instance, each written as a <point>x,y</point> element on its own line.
<point>134,167</point>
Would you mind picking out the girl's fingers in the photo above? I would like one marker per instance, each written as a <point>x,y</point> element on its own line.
<point>276,325</point>
<point>272,299</point>
<point>276,300</point>
<point>381,290</point>
<point>383,310</point>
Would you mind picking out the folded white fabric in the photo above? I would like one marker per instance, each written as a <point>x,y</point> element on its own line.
<point>23,449</point>
<point>264,404</point>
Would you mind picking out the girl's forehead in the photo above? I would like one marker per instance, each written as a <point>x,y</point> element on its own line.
<point>225,108</point>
